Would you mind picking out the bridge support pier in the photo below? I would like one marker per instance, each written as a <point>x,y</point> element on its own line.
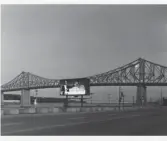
<point>2,98</point>
<point>141,98</point>
<point>25,98</point>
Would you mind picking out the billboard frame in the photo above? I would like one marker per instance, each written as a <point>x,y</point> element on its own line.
<point>77,79</point>
<point>78,95</point>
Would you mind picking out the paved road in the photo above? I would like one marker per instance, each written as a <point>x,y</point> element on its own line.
<point>147,122</point>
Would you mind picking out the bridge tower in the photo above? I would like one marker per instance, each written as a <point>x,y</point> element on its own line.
<point>141,88</point>
<point>141,95</point>
<point>25,98</point>
<point>25,92</point>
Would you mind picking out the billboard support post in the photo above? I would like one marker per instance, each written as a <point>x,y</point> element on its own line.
<point>66,102</point>
<point>91,97</point>
<point>81,100</point>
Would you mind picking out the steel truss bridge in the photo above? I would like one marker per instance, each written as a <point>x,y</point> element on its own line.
<point>136,73</point>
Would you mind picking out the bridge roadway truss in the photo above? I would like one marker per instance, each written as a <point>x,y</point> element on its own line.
<point>140,73</point>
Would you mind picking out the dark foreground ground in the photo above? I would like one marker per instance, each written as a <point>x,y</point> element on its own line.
<point>147,122</point>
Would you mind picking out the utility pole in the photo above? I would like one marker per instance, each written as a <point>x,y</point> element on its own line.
<point>161,97</point>
<point>91,97</point>
<point>122,95</point>
<point>119,97</point>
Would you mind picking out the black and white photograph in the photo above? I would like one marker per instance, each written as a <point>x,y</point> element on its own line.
<point>74,87</point>
<point>83,70</point>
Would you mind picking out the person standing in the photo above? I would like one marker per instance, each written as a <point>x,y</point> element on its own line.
<point>64,88</point>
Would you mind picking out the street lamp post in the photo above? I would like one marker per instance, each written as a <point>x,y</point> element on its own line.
<point>133,101</point>
<point>109,98</point>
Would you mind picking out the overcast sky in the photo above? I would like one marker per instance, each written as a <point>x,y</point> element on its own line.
<point>56,41</point>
